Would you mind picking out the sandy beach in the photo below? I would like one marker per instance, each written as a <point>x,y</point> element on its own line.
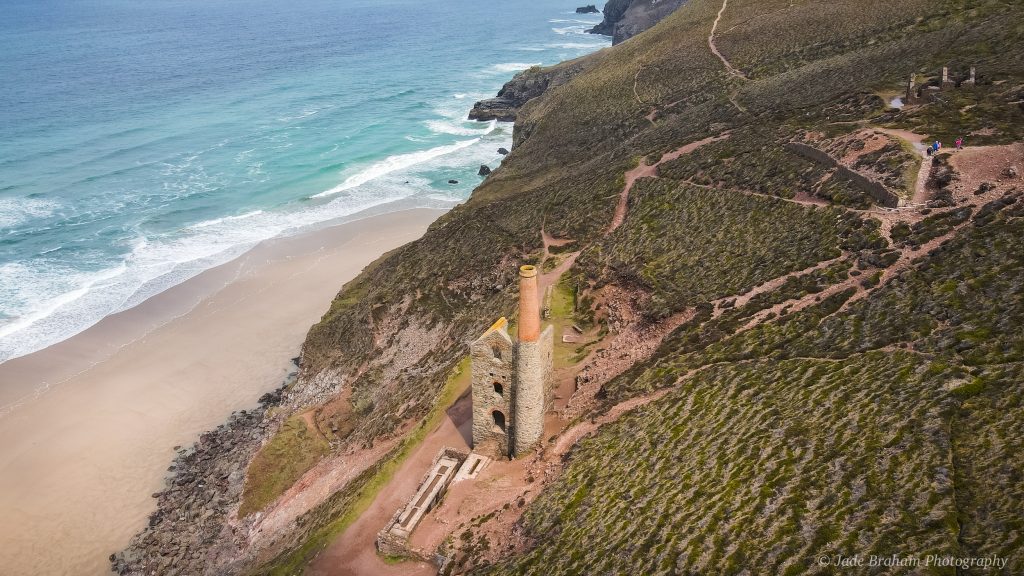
<point>89,425</point>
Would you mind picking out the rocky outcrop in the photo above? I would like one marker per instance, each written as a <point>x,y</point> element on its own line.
<point>524,87</point>
<point>624,19</point>
<point>613,12</point>
<point>588,9</point>
<point>484,170</point>
<point>189,526</point>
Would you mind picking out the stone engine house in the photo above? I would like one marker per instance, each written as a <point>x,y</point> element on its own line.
<point>512,380</point>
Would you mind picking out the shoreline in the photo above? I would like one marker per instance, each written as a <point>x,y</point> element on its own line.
<point>100,413</point>
<point>83,350</point>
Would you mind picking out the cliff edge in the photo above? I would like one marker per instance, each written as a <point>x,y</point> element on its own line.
<point>525,86</point>
<point>624,19</point>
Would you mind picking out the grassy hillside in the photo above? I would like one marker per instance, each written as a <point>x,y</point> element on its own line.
<point>893,426</point>
<point>877,414</point>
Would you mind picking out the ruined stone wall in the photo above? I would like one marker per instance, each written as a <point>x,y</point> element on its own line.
<point>391,544</point>
<point>877,190</point>
<point>394,543</point>
<point>492,358</point>
<point>532,396</point>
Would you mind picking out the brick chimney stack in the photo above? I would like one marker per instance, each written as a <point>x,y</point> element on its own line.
<point>529,304</point>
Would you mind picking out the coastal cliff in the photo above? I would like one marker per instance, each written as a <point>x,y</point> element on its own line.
<point>525,86</point>
<point>624,19</point>
<point>765,332</point>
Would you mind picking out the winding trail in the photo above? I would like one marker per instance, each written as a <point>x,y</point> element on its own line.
<point>714,49</point>
<point>523,479</point>
<point>920,196</point>
<point>636,79</point>
<point>644,170</point>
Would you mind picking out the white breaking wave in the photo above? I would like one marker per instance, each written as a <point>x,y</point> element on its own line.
<point>512,67</point>
<point>579,45</point>
<point>392,163</point>
<point>50,301</point>
<point>449,127</point>
<point>48,306</point>
<point>567,30</point>
<point>215,221</point>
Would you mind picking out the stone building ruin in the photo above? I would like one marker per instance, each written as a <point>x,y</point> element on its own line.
<point>929,90</point>
<point>512,380</point>
<point>511,383</point>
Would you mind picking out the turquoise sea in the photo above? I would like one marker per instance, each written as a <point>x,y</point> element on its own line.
<point>144,141</point>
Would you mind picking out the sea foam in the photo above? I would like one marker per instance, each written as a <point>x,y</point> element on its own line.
<point>15,211</point>
<point>393,163</point>
<point>507,67</point>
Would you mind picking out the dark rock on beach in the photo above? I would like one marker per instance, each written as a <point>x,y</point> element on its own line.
<point>484,170</point>
<point>197,498</point>
<point>503,151</point>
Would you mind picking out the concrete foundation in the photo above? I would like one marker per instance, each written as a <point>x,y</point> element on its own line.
<point>471,468</point>
<point>393,539</point>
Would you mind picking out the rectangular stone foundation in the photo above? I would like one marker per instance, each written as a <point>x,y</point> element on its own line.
<point>393,539</point>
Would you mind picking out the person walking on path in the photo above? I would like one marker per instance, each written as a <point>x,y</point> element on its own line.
<point>960,143</point>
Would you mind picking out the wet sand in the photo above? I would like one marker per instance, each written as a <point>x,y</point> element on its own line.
<point>88,426</point>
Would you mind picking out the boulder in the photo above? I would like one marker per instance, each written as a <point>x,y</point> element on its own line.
<point>503,151</point>
<point>453,181</point>
<point>484,170</point>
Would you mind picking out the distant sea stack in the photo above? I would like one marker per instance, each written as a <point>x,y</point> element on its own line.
<point>588,9</point>
<point>624,19</point>
<point>522,88</point>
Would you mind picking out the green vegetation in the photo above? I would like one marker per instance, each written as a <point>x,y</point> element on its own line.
<point>762,464</point>
<point>563,317</point>
<point>289,454</point>
<point>865,422</point>
<point>325,522</point>
<point>984,114</point>
<point>988,445</point>
<point>688,245</point>
<point>933,226</point>
<point>783,445</point>
<point>753,161</point>
<point>882,417</point>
